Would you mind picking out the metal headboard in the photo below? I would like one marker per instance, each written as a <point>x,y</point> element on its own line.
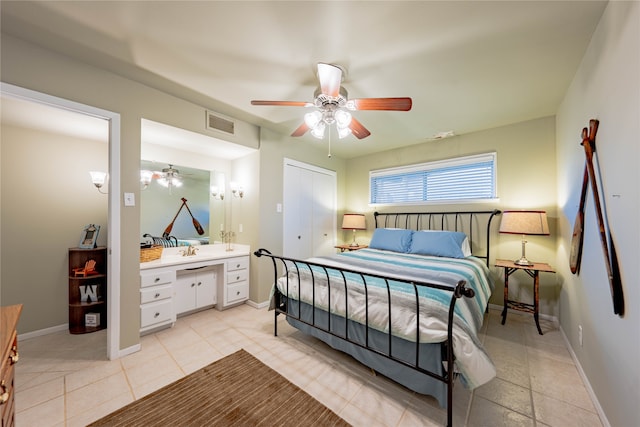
<point>451,221</point>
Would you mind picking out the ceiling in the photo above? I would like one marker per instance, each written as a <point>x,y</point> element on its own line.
<point>467,65</point>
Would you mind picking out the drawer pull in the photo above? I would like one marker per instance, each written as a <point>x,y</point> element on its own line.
<point>199,283</point>
<point>156,280</point>
<point>237,277</point>
<point>237,292</point>
<point>193,284</point>
<point>15,356</point>
<point>157,295</point>
<point>5,393</point>
<point>237,265</point>
<point>156,315</point>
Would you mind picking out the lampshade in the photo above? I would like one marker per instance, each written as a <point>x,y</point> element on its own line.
<point>353,222</point>
<point>524,222</point>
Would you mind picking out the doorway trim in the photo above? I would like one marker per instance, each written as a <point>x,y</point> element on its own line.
<point>113,220</point>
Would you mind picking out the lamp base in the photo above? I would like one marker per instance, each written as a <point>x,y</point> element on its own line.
<point>523,261</point>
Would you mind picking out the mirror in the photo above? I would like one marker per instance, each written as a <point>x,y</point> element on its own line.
<point>162,208</point>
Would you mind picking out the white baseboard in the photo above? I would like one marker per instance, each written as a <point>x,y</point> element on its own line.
<point>585,380</point>
<point>129,350</point>
<point>41,332</point>
<point>258,305</point>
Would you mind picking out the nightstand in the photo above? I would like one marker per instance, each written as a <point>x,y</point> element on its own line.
<point>532,270</point>
<point>350,248</point>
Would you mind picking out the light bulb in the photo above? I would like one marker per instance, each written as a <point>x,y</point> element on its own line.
<point>318,130</point>
<point>343,119</point>
<point>313,118</point>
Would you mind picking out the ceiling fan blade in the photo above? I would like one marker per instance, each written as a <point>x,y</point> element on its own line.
<point>358,130</point>
<point>283,103</point>
<point>301,130</point>
<point>387,104</point>
<point>330,78</point>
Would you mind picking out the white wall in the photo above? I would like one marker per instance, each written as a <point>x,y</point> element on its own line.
<point>606,87</point>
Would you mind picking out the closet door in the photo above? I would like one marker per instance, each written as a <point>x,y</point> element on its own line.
<point>324,214</point>
<point>309,213</point>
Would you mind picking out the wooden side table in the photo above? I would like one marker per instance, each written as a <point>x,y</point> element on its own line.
<point>531,270</point>
<point>350,248</point>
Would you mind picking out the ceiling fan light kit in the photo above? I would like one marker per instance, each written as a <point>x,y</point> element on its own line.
<point>331,101</point>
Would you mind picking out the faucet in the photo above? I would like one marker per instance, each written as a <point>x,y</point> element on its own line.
<point>190,251</point>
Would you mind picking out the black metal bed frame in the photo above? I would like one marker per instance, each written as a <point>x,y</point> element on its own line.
<point>409,221</point>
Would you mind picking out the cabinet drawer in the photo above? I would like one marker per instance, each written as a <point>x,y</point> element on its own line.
<point>156,312</point>
<point>237,292</point>
<point>151,278</point>
<point>155,293</point>
<point>237,276</point>
<point>238,264</point>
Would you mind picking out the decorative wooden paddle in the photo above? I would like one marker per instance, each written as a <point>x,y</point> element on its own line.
<point>611,259</point>
<point>196,223</point>
<point>578,227</point>
<point>167,231</point>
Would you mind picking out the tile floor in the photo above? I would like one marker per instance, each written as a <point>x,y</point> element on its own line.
<point>65,380</point>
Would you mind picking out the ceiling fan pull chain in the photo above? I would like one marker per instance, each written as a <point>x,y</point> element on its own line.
<point>329,155</point>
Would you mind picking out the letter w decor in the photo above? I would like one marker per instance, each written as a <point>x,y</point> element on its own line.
<point>88,293</point>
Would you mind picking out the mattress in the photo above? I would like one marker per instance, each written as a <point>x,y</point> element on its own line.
<point>369,305</point>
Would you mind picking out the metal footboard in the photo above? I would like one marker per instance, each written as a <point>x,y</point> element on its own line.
<point>284,305</point>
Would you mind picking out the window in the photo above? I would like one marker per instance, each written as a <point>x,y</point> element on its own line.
<point>463,178</point>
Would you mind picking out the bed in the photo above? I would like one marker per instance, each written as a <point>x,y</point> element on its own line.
<point>410,306</point>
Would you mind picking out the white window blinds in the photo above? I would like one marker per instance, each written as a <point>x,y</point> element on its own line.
<point>462,178</point>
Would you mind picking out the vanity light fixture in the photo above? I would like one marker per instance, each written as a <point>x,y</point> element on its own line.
<point>145,178</point>
<point>237,190</point>
<point>98,179</point>
<point>216,193</point>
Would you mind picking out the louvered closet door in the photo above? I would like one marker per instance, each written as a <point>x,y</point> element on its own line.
<point>309,211</point>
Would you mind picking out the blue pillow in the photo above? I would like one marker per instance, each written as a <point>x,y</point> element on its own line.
<point>397,240</point>
<point>438,243</point>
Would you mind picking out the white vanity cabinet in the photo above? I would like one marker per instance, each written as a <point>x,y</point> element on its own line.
<point>194,289</point>
<point>156,302</point>
<point>235,288</point>
<point>178,285</point>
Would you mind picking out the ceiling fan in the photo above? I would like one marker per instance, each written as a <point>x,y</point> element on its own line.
<point>169,177</point>
<point>331,103</point>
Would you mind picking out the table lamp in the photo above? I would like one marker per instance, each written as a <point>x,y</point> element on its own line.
<point>524,222</point>
<point>353,222</point>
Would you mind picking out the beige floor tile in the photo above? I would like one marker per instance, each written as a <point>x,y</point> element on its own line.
<point>485,413</point>
<point>87,398</point>
<point>509,395</point>
<point>48,413</point>
<point>39,394</point>
<point>556,413</point>
<point>95,387</point>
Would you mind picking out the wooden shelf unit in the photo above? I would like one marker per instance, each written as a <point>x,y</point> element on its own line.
<point>94,285</point>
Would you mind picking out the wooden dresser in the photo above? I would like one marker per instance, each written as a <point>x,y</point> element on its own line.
<point>9,346</point>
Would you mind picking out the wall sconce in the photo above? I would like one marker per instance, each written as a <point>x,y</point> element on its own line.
<point>353,222</point>
<point>145,178</point>
<point>217,194</point>
<point>98,179</point>
<point>524,222</point>
<point>237,190</point>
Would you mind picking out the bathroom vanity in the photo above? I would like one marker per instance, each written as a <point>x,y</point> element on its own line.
<point>179,284</point>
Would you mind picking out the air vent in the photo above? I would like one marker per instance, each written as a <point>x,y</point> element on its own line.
<point>222,124</point>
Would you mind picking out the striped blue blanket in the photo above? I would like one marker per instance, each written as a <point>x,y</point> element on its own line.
<point>328,293</point>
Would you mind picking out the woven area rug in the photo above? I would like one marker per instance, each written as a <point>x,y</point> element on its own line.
<point>237,390</point>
